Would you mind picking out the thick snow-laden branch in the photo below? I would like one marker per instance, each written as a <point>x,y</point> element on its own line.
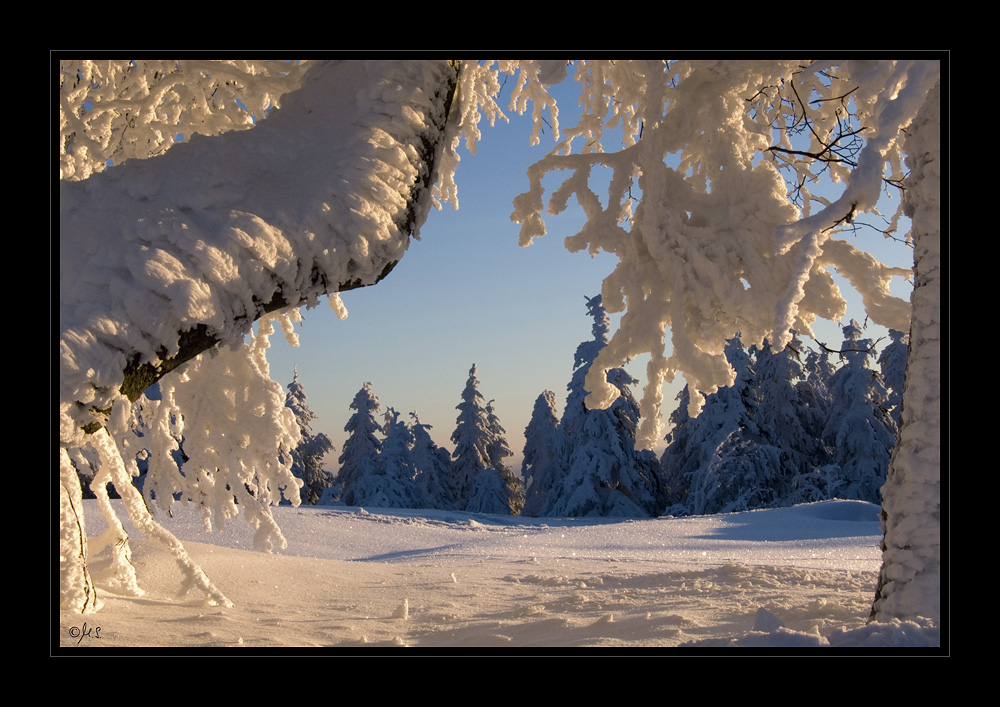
<point>186,250</point>
<point>166,258</point>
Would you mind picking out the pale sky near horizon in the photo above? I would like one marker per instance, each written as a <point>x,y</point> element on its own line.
<point>466,294</point>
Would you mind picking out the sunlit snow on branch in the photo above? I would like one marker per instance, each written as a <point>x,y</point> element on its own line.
<point>717,242</point>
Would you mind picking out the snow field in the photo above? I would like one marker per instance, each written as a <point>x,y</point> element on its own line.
<point>352,579</point>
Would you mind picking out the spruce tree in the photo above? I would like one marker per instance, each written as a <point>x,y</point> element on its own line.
<point>722,461</point>
<point>498,450</point>
<point>603,474</point>
<point>471,439</point>
<point>675,456</point>
<point>859,429</point>
<point>892,364</point>
<point>362,446</point>
<point>782,409</point>
<point>433,466</point>
<point>540,465</point>
<point>391,480</point>
<point>480,447</point>
<point>307,457</point>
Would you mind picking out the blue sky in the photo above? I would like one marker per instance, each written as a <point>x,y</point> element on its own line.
<point>466,294</point>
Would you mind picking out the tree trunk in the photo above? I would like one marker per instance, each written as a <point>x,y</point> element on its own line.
<point>910,580</point>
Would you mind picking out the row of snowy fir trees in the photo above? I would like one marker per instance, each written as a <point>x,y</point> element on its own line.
<point>585,464</point>
<point>793,428</point>
<point>396,464</point>
<point>796,426</point>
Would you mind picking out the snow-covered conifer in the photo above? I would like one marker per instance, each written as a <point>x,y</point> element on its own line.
<point>858,429</point>
<point>892,364</point>
<point>539,467</point>
<point>490,494</point>
<point>498,450</point>
<point>793,403</point>
<point>479,446</point>
<point>586,353</point>
<point>814,391</point>
<point>307,458</point>
<point>362,446</point>
<point>432,464</point>
<point>602,473</point>
<point>781,409</point>
<point>391,480</point>
<point>723,461</point>
<point>675,456</point>
<point>472,441</point>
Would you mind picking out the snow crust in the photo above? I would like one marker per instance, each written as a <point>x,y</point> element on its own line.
<point>360,579</point>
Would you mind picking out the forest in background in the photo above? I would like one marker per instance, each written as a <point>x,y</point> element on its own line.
<point>804,424</point>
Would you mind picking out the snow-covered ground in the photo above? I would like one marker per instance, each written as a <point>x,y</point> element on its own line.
<point>351,578</point>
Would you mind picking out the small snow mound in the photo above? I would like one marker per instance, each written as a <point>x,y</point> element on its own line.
<point>403,611</point>
<point>902,634</point>
<point>766,621</point>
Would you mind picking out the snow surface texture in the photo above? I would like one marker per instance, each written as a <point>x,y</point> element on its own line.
<point>352,578</point>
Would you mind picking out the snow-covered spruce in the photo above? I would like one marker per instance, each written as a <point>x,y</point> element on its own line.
<point>390,479</point>
<point>859,429</point>
<point>432,464</point>
<point>362,446</point>
<point>601,473</point>
<point>722,461</point>
<point>308,456</point>
<point>480,448</point>
<point>539,466</point>
<point>892,364</point>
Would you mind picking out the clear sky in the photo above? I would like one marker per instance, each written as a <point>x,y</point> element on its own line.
<point>466,294</point>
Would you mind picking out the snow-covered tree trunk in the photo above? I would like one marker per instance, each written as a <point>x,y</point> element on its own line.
<point>910,580</point>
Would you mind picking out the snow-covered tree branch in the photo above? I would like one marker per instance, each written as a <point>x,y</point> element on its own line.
<point>192,247</point>
<point>166,258</point>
